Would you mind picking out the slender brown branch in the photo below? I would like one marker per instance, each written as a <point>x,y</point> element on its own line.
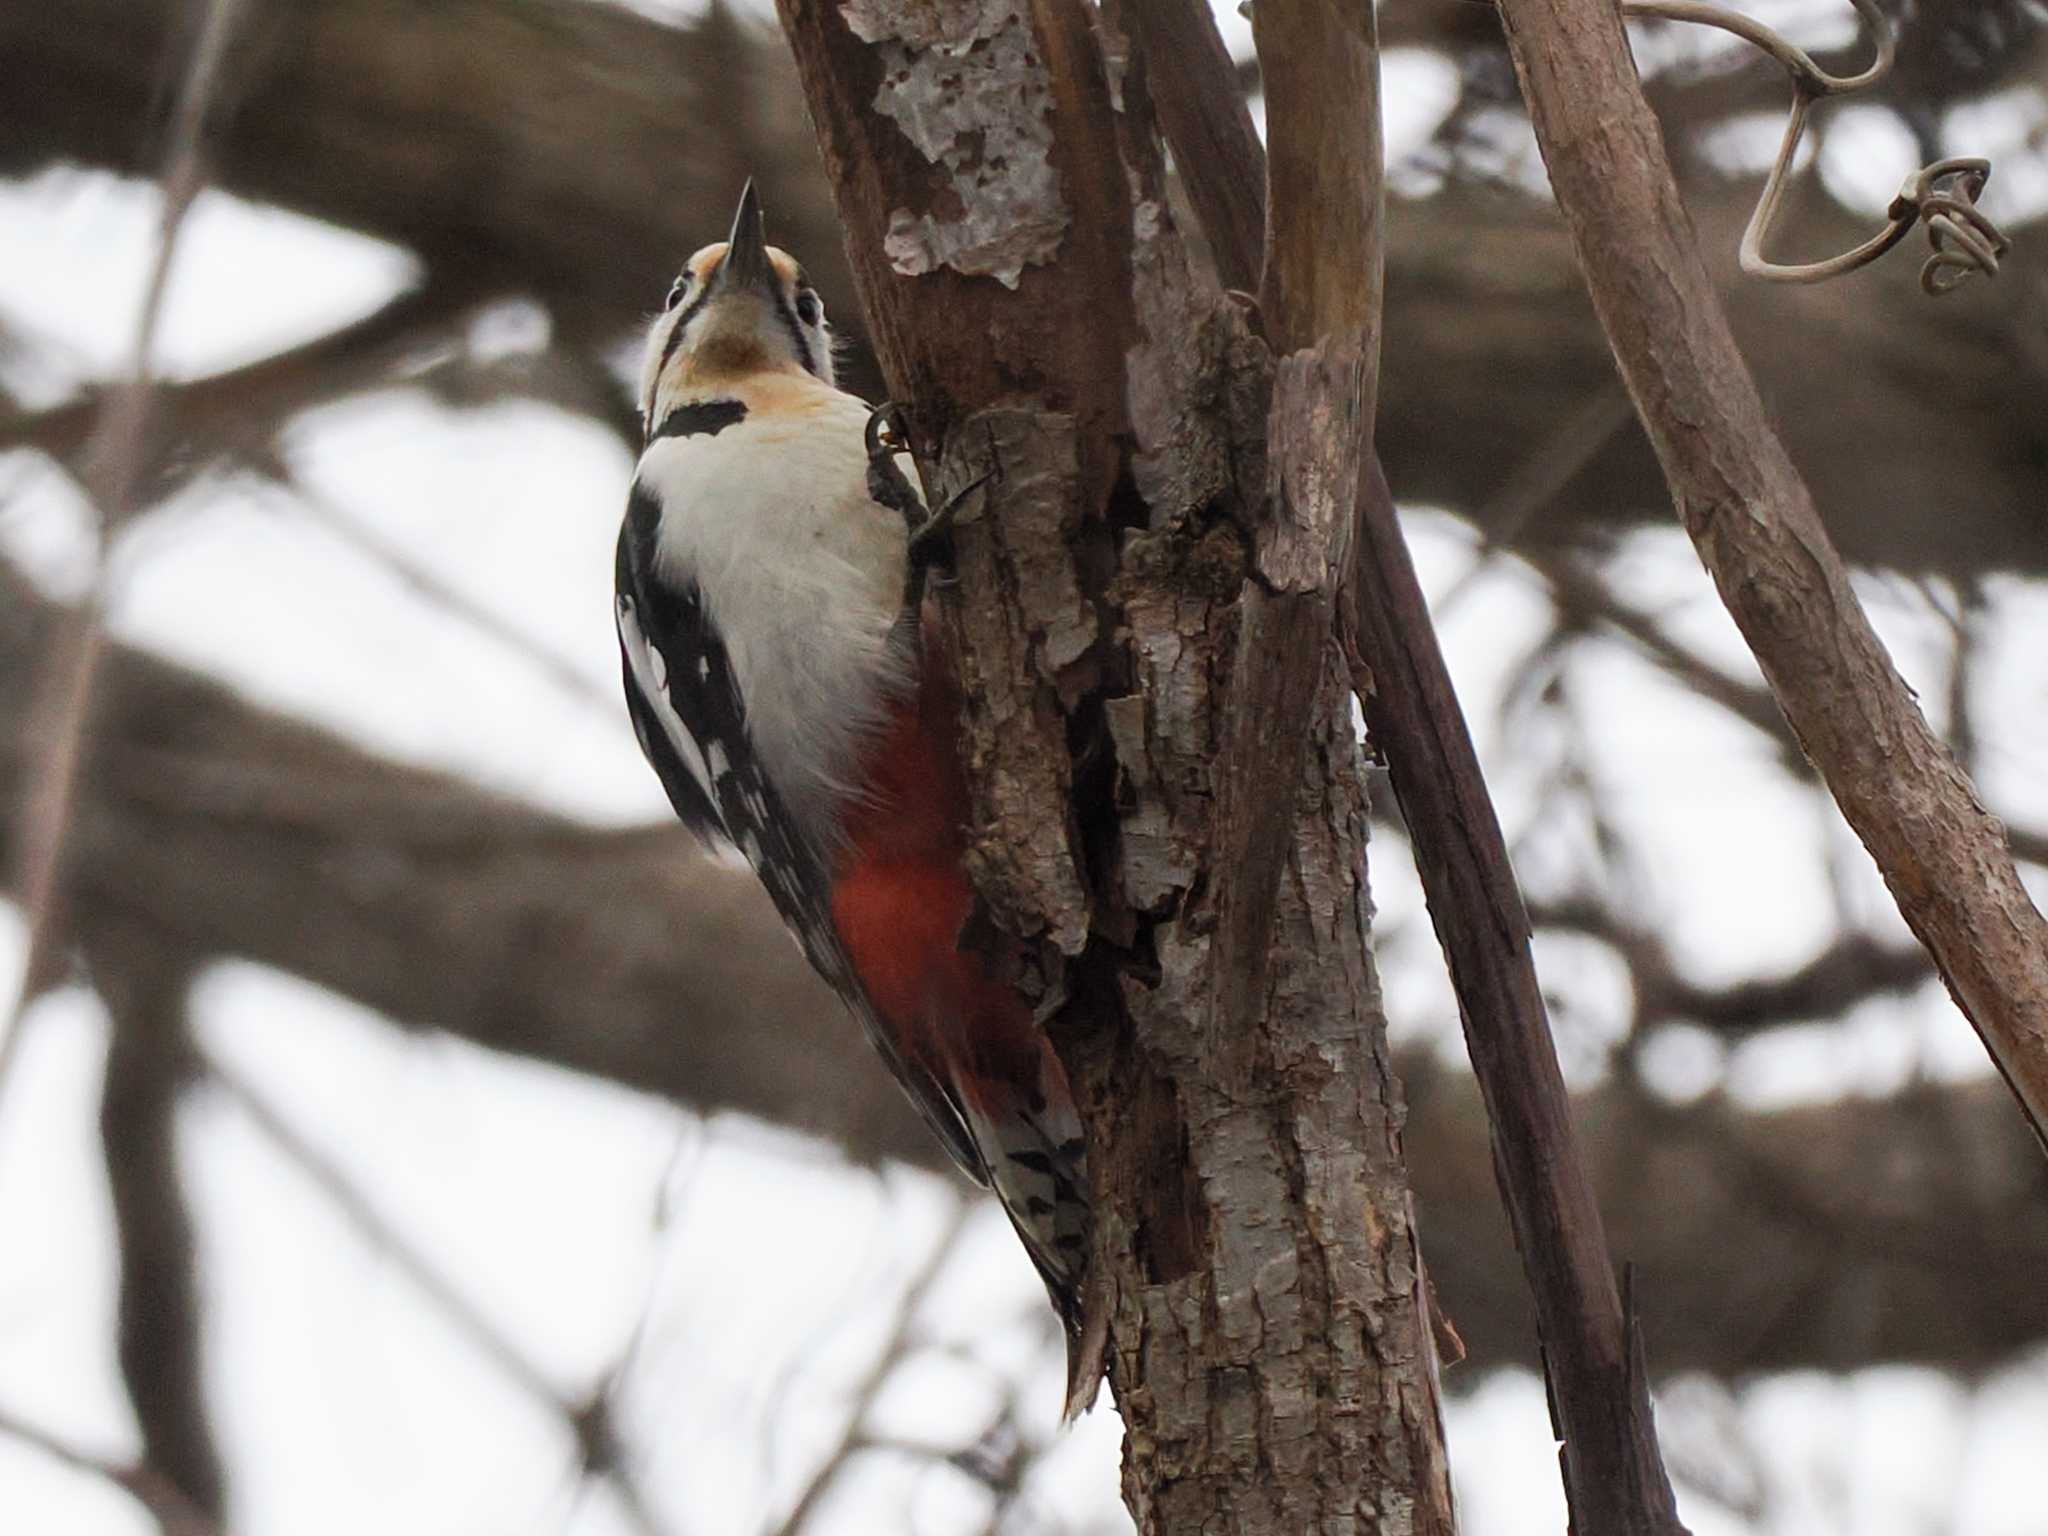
<point>1753,522</point>
<point>1613,1470</point>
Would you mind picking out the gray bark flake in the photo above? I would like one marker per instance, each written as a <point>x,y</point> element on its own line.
<point>953,76</point>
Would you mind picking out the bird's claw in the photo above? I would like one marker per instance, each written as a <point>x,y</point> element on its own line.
<point>886,483</point>
<point>928,538</point>
<point>885,433</point>
<point>928,531</point>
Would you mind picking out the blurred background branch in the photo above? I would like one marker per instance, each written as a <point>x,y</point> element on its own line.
<point>423,140</point>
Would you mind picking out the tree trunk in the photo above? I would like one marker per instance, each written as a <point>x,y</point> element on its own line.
<point>1169,810</point>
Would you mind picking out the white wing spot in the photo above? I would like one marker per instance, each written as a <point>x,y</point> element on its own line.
<point>647,666</point>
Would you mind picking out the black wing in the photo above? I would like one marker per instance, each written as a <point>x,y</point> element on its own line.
<point>691,719</point>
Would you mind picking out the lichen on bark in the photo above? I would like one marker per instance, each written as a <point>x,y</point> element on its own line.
<point>968,87</point>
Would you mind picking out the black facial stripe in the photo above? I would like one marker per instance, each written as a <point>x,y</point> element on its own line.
<point>700,418</point>
<point>796,334</point>
<point>675,336</point>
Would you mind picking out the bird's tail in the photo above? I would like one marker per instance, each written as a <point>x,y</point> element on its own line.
<point>1087,1350</point>
<point>1029,1135</point>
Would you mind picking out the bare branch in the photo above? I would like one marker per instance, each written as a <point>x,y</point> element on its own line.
<point>1613,1469</point>
<point>1849,970</point>
<point>895,1348</point>
<point>1753,521</point>
<point>1614,1476</point>
<point>114,464</point>
<point>588,1421</point>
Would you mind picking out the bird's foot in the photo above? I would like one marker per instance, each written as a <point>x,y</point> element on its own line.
<point>929,531</point>
<point>886,482</point>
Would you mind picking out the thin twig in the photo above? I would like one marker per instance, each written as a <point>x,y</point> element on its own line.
<point>588,1421</point>
<point>113,465</point>
<point>172,1511</point>
<point>558,670</point>
<point>1581,592</point>
<point>1943,196</point>
<point>855,1438</point>
<point>1537,482</point>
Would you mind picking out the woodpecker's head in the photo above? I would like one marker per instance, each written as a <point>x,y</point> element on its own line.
<point>740,307</point>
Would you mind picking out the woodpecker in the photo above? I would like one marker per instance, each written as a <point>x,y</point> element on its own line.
<point>770,586</point>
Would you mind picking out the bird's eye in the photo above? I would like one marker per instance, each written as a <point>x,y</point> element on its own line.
<point>807,309</point>
<point>675,294</point>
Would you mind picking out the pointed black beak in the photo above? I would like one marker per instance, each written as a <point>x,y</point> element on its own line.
<point>745,264</point>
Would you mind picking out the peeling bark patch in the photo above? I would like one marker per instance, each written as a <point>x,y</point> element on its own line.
<point>965,82</point>
<point>1313,470</point>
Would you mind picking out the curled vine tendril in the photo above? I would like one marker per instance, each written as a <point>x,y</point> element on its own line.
<point>1942,197</point>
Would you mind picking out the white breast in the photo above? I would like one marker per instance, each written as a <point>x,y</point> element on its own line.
<point>803,576</point>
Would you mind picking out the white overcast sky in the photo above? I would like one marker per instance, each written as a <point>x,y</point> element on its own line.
<point>755,1271</point>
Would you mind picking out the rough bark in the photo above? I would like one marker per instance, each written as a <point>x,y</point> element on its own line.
<point>1253,1234</point>
<point>531,146</point>
<point>1752,519</point>
<point>1599,1392</point>
<point>226,830</point>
